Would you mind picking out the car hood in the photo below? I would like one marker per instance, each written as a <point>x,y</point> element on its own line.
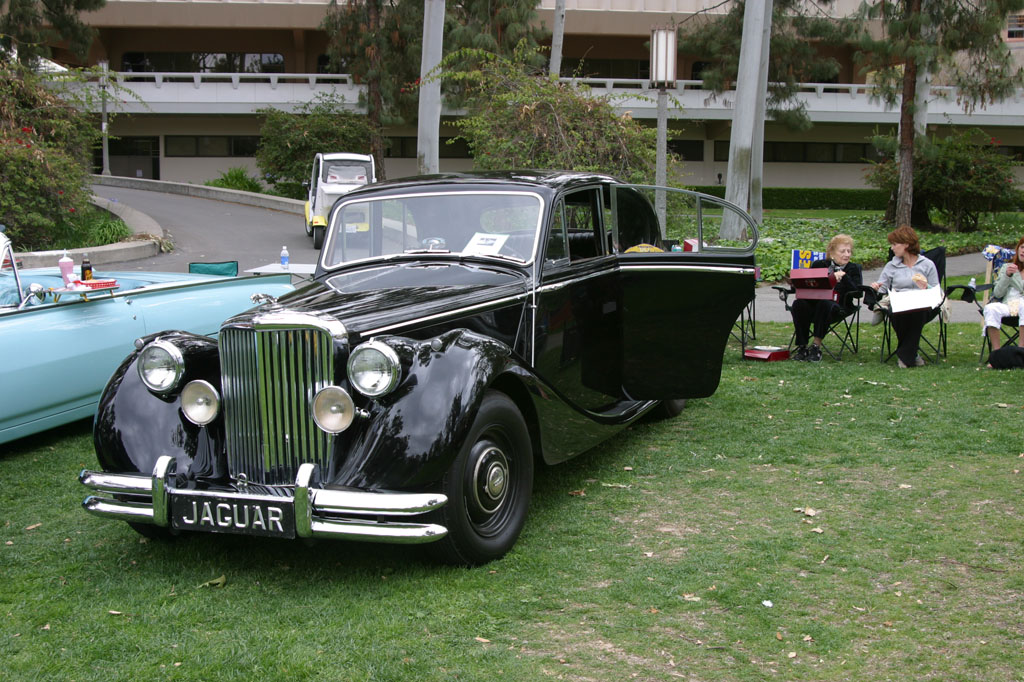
<point>337,189</point>
<point>385,296</point>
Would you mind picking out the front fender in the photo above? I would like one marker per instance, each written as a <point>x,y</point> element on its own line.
<point>134,426</point>
<point>411,435</point>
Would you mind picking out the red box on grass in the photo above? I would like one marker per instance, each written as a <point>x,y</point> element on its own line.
<point>766,353</point>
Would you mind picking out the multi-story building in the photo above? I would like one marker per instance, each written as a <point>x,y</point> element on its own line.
<point>201,69</point>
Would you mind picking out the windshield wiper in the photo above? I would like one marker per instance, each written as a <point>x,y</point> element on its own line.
<point>427,251</point>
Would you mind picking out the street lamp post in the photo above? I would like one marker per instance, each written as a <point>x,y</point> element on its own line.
<point>103,115</point>
<point>663,76</point>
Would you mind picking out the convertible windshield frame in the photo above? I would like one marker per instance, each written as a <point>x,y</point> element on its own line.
<point>331,258</point>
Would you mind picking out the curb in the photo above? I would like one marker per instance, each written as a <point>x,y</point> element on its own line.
<point>296,206</point>
<point>148,232</point>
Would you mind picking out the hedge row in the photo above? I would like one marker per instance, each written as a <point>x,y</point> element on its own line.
<point>813,198</point>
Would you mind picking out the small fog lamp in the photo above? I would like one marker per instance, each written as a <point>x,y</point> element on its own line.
<point>161,366</point>
<point>374,369</point>
<point>200,402</point>
<point>333,409</point>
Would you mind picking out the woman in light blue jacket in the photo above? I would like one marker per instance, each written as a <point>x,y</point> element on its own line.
<point>906,271</point>
<point>1009,289</point>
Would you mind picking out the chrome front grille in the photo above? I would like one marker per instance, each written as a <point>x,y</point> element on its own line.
<point>268,380</point>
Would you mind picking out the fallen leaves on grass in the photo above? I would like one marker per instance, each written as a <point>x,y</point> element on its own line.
<point>578,493</point>
<point>220,581</point>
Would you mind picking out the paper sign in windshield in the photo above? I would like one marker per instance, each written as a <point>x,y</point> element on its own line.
<point>486,244</point>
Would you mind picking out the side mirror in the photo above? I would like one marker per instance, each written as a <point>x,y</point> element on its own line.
<point>34,289</point>
<point>305,183</point>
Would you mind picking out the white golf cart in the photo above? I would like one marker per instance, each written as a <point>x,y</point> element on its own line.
<point>333,175</point>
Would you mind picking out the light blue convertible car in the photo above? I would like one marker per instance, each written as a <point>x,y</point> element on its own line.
<point>57,351</point>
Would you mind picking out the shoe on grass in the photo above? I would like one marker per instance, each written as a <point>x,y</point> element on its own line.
<point>918,361</point>
<point>814,354</point>
<point>800,354</point>
<point>901,364</point>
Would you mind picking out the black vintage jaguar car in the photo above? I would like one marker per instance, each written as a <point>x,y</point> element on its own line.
<point>458,329</point>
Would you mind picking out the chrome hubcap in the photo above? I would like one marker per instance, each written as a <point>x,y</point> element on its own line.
<point>490,480</point>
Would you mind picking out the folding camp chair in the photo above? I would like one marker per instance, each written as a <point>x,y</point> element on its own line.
<point>846,329</point>
<point>932,347</point>
<point>226,268</point>
<point>996,257</point>
<point>744,329</point>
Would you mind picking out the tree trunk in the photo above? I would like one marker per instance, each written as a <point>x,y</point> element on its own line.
<point>555,65</point>
<point>905,197</point>
<point>427,137</point>
<point>737,186</point>
<point>375,102</point>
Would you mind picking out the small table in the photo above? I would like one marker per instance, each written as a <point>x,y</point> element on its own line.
<point>301,270</point>
<point>84,293</point>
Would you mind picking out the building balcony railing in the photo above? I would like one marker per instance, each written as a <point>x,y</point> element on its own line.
<point>245,93</point>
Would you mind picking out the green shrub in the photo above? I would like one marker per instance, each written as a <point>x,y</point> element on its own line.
<point>238,178</point>
<point>89,227</point>
<point>521,118</point>
<point>289,141</point>
<point>961,176</point>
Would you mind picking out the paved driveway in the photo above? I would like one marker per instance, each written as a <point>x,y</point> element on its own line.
<point>208,230</point>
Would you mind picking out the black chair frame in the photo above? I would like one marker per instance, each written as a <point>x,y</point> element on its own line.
<point>1009,328</point>
<point>846,330</point>
<point>931,349</point>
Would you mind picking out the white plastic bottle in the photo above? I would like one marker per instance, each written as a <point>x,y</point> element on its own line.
<point>284,257</point>
<point>973,284</point>
<point>67,268</point>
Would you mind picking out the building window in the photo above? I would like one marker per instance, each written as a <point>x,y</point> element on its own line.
<point>721,150</point>
<point>203,62</point>
<point>688,150</point>
<point>1015,27</point>
<point>808,152</point>
<point>211,145</point>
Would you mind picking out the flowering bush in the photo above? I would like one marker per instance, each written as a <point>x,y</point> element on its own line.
<point>44,150</point>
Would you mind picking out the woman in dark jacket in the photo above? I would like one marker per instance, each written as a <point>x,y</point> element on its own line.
<point>822,313</point>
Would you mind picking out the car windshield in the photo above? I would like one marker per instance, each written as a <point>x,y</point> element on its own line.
<point>346,172</point>
<point>501,225</point>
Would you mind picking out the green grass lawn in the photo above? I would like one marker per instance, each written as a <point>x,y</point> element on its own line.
<point>831,521</point>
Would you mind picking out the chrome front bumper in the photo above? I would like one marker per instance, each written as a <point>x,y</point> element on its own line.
<point>318,512</point>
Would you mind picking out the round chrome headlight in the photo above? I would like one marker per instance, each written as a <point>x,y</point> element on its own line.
<point>374,369</point>
<point>333,409</point>
<point>161,366</point>
<point>200,402</point>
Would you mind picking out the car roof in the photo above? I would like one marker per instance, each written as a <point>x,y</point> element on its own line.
<point>344,156</point>
<point>524,180</point>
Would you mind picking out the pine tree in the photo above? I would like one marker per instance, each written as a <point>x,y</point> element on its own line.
<point>960,44</point>
<point>380,42</point>
<point>798,31</point>
<point>31,26</point>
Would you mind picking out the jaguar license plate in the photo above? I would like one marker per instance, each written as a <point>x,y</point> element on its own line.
<point>245,515</point>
